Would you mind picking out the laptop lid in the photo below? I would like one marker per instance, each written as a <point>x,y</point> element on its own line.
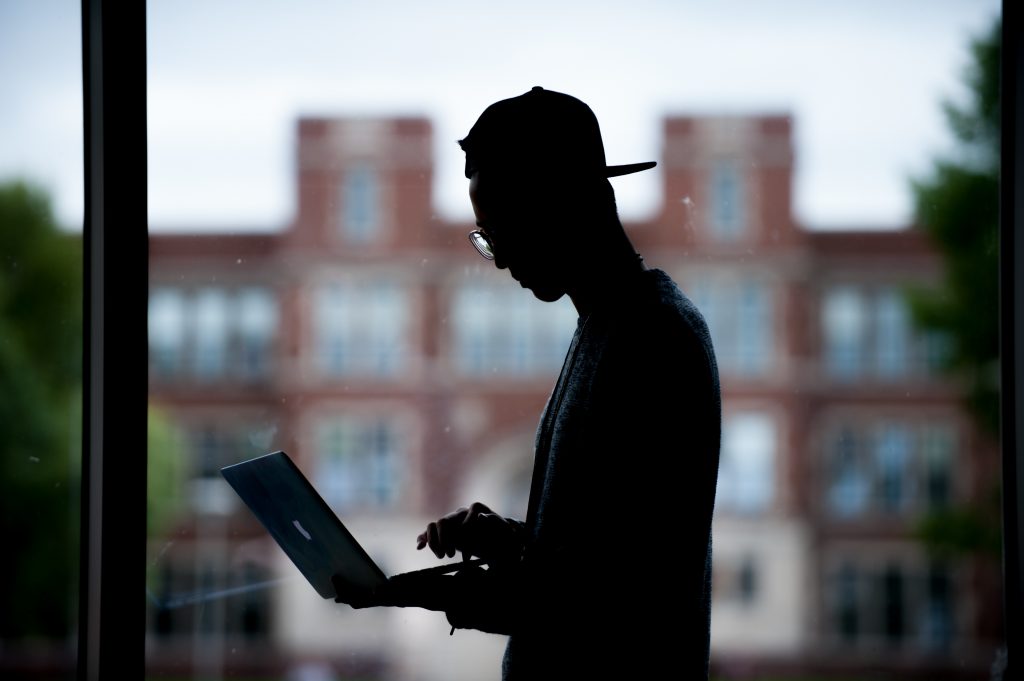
<point>302,523</point>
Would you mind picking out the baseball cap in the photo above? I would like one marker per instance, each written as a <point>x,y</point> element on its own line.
<point>541,131</point>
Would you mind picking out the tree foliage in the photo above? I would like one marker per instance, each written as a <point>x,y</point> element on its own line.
<point>40,414</point>
<point>40,421</point>
<point>958,206</point>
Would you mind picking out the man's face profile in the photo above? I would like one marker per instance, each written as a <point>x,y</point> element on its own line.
<point>523,240</point>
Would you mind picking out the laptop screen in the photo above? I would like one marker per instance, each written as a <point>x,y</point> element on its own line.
<point>302,523</point>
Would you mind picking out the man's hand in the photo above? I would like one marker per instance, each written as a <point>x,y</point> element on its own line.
<point>474,531</point>
<point>430,591</point>
<point>354,596</point>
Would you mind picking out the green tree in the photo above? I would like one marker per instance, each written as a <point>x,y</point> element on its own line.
<point>957,205</point>
<point>40,421</point>
<point>40,415</point>
<point>165,474</point>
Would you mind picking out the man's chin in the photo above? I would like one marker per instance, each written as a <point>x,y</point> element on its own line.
<point>547,291</point>
<point>548,295</point>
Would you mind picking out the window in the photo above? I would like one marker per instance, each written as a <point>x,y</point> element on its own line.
<point>727,200</point>
<point>212,334</point>
<point>736,580</point>
<point>166,331</point>
<point>746,469</point>
<point>848,603</point>
<point>499,329</point>
<point>937,625</point>
<point>845,319</point>
<point>901,603</point>
<point>937,446</point>
<point>739,314</point>
<point>359,204</point>
<point>209,323</point>
<point>893,334</point>
<point>893,604</point>
<point>471,363</point>
<point>181,611</point>
<point>849,486</point>
<point>256,320</point>
<point>359,463</point>
<point>892,451</point>
<point>214,448</point>
<point>889,468</point>
<point>361,328</point>
<point>753,329</point>
<point>868,333</point>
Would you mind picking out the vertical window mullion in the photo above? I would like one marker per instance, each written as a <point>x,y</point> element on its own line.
<point>111,613</point>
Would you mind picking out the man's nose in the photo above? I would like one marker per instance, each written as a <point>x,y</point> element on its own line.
<point>500,262</point>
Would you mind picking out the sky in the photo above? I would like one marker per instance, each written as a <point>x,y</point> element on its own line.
<point>227,80</point>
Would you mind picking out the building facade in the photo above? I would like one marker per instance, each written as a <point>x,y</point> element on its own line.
<point>405,375</point>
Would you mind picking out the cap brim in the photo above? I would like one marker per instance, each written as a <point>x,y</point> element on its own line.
<point>616,171</point>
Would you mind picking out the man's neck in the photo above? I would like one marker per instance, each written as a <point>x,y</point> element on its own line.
<point>605,279</point>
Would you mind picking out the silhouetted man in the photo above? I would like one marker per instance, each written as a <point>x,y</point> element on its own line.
<point>609,574</point>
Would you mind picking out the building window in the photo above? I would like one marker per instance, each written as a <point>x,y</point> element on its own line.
<point>845,319</point>
<point>213,445</point>
<point>748,580</point>
<point>210,329</point>
<point>901,603</point>
<point>736,580</point>
<point>849,485</point>
<point>218,444</point>
<point>937,450</point>
<point>212,333</point>
<point>256,320</point>
<point>727,201</point>
<point>847,603</point>
<point>166,332</point>
<point>753,340</point>
<point>936,348</point>
<point>868,332</point>
<point>359,204</point>
<point>937,624</point>
<point>359,463</point>
<point>214,448</point>
<point>499,330</point>
<point>361,328</point>
<point>893,604</point>
<point>892,334</point>
<point>178,609</point>
<point>889,468</point>
<point>739,316</point>
<point>746,470</point>
<point>892,452</point>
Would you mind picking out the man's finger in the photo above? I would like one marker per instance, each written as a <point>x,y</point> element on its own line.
<point>448,536</point>
<point>475,509</point>
<point>433,539</point>
<point>442,536</point>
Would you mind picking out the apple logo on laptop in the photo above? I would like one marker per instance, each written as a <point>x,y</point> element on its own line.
<point>300,528</point>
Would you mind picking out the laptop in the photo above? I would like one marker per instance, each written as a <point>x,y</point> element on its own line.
<point>305,527</point>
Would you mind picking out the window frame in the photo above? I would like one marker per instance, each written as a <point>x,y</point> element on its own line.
<point>115,346</point>
<point>112,613</point>
<point>1011,290</point>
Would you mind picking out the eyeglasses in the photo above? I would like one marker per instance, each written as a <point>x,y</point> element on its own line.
<point>482,243</point>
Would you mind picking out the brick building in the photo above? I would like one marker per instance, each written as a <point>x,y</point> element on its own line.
<point>405,375</point>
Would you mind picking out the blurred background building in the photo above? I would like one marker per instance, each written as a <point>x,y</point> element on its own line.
<point>405,375</point>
